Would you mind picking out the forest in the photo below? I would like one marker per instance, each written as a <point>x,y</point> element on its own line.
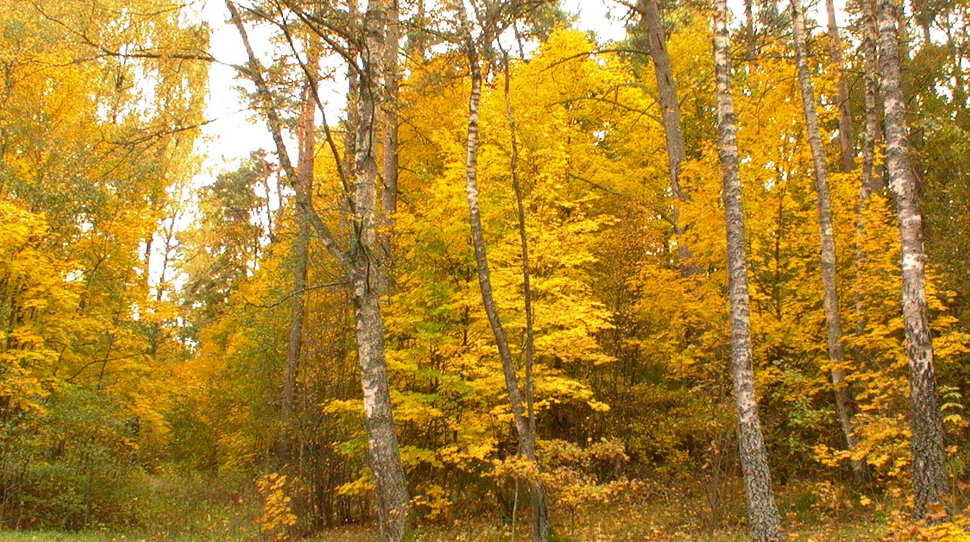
<point>493,276</point>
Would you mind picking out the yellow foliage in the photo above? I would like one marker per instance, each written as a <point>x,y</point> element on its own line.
<point>277,517</point>
<point>939,528</point>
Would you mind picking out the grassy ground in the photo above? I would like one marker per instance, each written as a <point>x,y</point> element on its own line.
<point>631,519</point>
<point>598,532</point>
<point>480,533</point>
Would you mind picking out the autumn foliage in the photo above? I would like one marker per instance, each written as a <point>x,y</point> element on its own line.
<point>145,304</point>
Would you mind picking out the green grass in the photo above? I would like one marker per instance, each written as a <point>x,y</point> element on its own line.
<point>635,517</point>
<point>51,536</point>
<point>602,530</point>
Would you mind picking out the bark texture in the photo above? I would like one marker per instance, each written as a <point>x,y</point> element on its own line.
<point>367,274</point>
<point>360,262</point>
<point>670,118</point>
<point>541,524</point>
<point>750,32</point>
<point>833,323</point>
<point>304,191</point>
<point>389,134</point>
<point>846,153</point>
<point>762,513</point>
<point>929,476</point>
<point>871,178</point>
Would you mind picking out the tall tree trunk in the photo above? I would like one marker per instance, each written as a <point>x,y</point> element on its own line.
<point>541,525</point>
<point>361,265</point>
<point>871,177</point>
<point>926,445</point>
<point>540,506</point>
<point>389,131</point>
<point>762,513</point>
<point>833,323</point>
<point>304,191</point>
<point>750,32</point>
<point>871,180</point>
<point>367,279</point>
<point>846,153</point>
<point>670,118</point>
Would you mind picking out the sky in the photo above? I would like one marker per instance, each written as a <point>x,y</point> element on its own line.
<point>234,132</point>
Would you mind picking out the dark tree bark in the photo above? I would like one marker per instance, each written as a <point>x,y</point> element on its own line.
<point>670,118</point>
<point>926,444</point>
<point>846,153</point>
<point>833,323</point>
<point>389,131</point>
<point>304,191</point>
<point>762,513</point>
<point>750,32</point>
<point>871,180</point>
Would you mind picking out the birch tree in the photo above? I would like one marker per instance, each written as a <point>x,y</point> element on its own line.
<point>670,118</point>
<point>525,428</point>
<point>762,513</point>
<point>926,444</point>
<point>833,323</point>
<point>360,260</point>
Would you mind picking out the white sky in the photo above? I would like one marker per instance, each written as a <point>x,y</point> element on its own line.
<point>235,132</point>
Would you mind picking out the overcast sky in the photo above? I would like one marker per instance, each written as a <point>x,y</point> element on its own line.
<point>234,133</point>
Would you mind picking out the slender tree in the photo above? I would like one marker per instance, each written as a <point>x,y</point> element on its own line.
<point>833,323</point>
<point>870,179</point>
<point>301,243</point>
<point>846,153</point>
<point>360,260</point>
<point>750,32</point>
<point>541,525</point>
<point>525,429</point>
<point>670,118</point>
<point>926,444</point>
<point>762,513</point>
<point>389,131</point>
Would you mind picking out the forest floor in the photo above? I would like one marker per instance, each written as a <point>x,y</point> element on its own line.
<point>630,518</point>
<point>602,530</point>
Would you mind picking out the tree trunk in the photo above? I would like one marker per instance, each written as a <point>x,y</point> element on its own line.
<point>846,153</point>
<point>762,513</point>
<point>304,191</point>
<point>926,445</point>
<point>389,131</point>
<point>833,323</point>
<point>871,177</point>
<point>383,451</point>
<point>750,32</point>
<point>540,506</point>
<point>361,265</point>
<point>871,180</point>
<point>367,279</point>
<point>541,525</point>
<point>670,118</point>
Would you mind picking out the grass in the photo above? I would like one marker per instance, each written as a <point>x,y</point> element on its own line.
<point>598,531</point>
<point>634,517</point>
<point>54,536</point>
